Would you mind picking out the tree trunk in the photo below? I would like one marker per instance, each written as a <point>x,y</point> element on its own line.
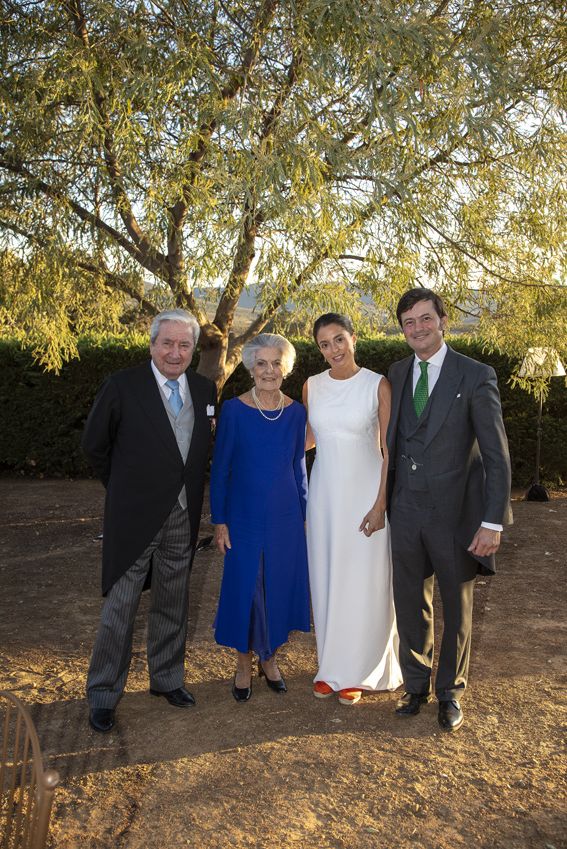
<point>213,361</point>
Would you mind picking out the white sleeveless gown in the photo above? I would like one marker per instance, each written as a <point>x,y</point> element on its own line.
<point>350,574</point>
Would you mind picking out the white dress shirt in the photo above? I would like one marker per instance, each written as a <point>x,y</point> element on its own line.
<point>435,362</point>
<point>161,382</point>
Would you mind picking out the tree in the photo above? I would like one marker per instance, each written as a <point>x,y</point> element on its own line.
<point>318,150</point>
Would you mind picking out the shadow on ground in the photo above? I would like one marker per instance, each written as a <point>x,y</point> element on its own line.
<point>284,771</point>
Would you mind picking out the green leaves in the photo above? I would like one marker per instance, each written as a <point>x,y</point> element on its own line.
<point>258,143</point>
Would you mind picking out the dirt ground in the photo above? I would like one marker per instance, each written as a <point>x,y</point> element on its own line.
<point>284,771</point>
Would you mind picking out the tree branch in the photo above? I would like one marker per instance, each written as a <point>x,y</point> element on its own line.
<point>155,263</point>
<point>117,282</point>
<point>236,344</point>
<point>121,199</point>
<point>491,271</point>
<point>292,75</point>
<point>252,218</point>
<point>187,301</point>
<point>112,280</point>
<point>227,93</point>
<point>244,255</point>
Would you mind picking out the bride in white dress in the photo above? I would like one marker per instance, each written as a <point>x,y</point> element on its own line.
<point>348,539</point>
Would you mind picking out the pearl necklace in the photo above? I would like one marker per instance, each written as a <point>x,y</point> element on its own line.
<point>280,406</point>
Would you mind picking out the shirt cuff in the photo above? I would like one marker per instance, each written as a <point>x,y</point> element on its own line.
<point>491,526</point>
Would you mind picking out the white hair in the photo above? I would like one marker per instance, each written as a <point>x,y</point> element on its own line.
<point>269,340</point>
<point>182,316</point>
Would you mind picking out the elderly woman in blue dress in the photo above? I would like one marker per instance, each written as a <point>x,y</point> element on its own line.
<point>258,502</point>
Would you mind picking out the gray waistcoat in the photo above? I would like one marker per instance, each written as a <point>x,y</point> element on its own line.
<point>410,472</point>
<point>183,430</point>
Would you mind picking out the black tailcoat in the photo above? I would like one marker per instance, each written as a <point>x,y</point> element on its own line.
<point>131,445</point>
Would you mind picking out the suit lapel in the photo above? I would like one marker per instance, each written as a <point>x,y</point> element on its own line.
<point>151,401</point>
<point>398,388</point>
<point>443,395</point>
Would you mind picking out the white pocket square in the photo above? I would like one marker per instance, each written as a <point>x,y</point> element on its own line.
<point>210,409</point>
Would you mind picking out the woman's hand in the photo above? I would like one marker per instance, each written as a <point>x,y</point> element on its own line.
<point>222,538</point>
<point>374,520</point>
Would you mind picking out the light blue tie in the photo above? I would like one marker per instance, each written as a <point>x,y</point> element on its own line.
<point>175,401</point>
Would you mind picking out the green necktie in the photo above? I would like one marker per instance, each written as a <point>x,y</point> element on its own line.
<point>421,393</point>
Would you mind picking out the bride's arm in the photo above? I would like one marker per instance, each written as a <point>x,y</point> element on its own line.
<point>375,519</point>
<point>309,435</point>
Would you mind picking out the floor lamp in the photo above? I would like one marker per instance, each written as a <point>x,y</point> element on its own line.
<point>538,363</point>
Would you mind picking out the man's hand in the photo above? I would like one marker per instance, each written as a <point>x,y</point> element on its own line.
<point>485,542</point>
<point>222,538</point>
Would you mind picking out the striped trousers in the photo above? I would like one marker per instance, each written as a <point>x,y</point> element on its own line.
<point>168,555</point>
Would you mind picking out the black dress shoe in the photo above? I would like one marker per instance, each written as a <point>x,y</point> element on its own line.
<point>278,686</point>
<point>101,719</point>
<point>241,694</point>
<point>410,703</point>
<point>178,698</point>
<point>450,715</point>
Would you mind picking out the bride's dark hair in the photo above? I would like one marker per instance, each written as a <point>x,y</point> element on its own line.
<point>332,318</point>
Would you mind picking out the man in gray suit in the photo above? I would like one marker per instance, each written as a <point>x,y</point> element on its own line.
<point>449,499</point>
<point>147,437</point>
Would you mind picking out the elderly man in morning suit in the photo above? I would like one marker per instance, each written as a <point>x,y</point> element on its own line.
<point>450,490</point>
<point>147,437</point>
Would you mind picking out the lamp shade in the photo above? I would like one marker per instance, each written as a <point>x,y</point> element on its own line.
<point>541,362</point>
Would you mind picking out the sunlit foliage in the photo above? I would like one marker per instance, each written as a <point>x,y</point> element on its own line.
<point>317,150</point>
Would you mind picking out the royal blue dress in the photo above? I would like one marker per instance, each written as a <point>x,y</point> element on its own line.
<point>259,489</point>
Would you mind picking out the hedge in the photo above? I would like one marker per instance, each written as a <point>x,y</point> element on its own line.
<point>42,414</point>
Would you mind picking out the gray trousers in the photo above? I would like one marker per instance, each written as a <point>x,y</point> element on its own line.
<point>424,548</point>
<point>169,556</point>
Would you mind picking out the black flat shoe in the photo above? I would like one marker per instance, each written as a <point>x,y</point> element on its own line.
<point>450,715</point>
<point>178,698</point>
<point>278,686</point>
<point>101,719</point>
<point>410,703</point>
<point>241,694</point>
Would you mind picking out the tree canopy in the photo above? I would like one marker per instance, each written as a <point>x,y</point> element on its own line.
<point>179,150</point>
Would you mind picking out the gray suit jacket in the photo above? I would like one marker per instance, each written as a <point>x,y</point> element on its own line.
<point>466,459</point>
